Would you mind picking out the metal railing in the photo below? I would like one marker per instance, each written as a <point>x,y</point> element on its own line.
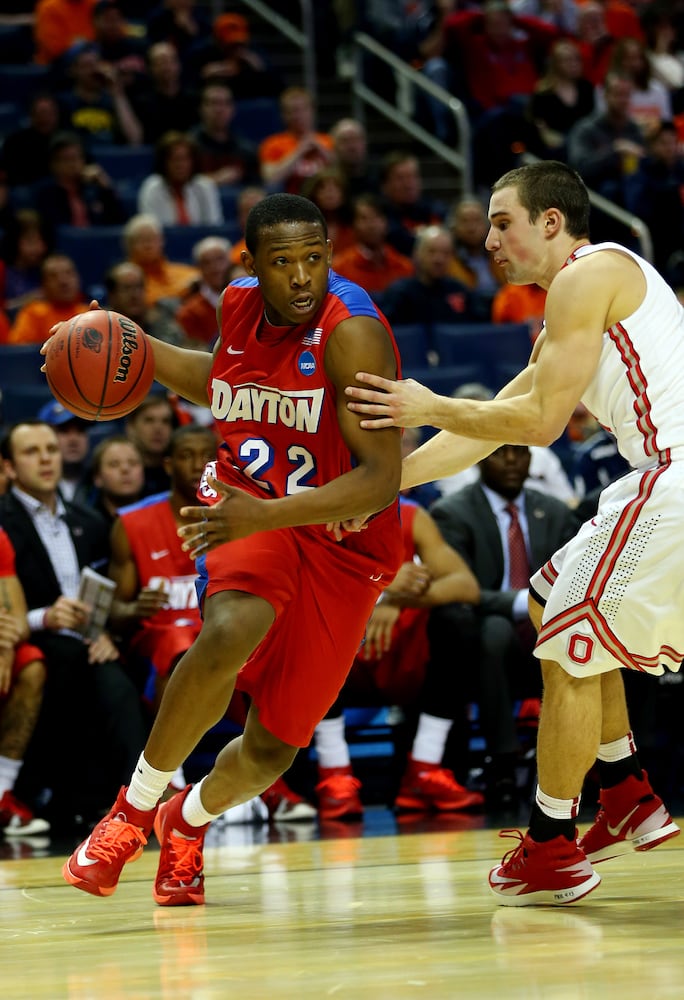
<point>407,81</point>
<point>302,38</point>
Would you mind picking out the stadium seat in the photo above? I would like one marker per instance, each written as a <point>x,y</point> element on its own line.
<point>179,240</point>
<point>19,83</point>
<point>495,347</point>
<point>93,250</point>
<point>125,163</point>
<point>11,117</point>
<point>20,365</point>
<point>21,402</point>
<point>413,343</point>
<point>256,117</point>
<point>445,378</point>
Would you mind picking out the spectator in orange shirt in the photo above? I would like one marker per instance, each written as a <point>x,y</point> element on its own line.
<point>520,304</point>
<point>287,158</point>
<point>144,243</point>
<point>62,299</point>
<point>60,23</point>
<point>197,315</point>
<point>372,262</point>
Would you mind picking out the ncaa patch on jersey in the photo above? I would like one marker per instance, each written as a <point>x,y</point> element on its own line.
<point>306,363</point>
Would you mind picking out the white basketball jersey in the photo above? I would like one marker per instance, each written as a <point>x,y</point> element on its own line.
<point>637,392</point>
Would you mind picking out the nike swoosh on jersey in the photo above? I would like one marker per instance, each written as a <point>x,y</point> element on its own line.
<point>160,554</point>
<point>231,350</point>
<point>82,858</point>
<point>615,831</point>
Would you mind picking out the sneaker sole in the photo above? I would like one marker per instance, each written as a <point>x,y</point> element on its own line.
<point>422,805</point>
<point>646,842</point>
<point>187,899</point>
<point>548,897</point>
<point>91,887</point>
<point>36,826</point>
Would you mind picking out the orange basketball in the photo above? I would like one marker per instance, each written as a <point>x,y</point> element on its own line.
<point>100,365</point>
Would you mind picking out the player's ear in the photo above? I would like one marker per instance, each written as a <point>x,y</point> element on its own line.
<point>329,249</point>
<point>248,263</point>
<point>553,221</point>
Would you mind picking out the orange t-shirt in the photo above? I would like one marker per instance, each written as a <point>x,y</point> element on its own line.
<point>520,304</point>
<point>168,280</point>
<point>357,266</point>
<point>276,147</point>
<point>59,24</point>
<point>33,322</point>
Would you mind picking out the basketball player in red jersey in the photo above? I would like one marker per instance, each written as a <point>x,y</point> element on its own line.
<point>284,604</point>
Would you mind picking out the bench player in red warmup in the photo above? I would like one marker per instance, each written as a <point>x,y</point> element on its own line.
<point>284,603</point>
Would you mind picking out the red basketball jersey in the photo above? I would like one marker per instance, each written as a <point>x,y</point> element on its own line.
<point>156,548</point>
<point>7,566</point>
<point>274,405</point>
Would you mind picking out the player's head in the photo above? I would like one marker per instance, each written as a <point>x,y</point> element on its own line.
<point>191,447</point>
<point>289,252</point>
<point>550,184</point>
<point>506,469</point>
<point>118,470</point>
<point>32,459</point>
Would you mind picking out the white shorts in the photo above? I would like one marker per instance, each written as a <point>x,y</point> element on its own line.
<point>615,593</point>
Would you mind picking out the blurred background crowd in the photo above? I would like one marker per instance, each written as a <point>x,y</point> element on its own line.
<point>134,139</point>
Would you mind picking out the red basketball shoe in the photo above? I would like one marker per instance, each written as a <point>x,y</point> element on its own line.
<point>338,794</point>
<point>428,786</point>
<point>180,877</point>
<point>555,871</point>
<point>96,864</point>
<point>631,818</point>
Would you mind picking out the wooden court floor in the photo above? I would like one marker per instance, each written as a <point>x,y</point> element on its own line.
<point>381,917</point>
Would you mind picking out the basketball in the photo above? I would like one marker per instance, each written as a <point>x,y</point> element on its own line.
<point>99,365</point>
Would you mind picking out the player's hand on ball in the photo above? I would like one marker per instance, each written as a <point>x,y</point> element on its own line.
<point>236,515</point>
<point>388,403</point>
<point>94,304</point>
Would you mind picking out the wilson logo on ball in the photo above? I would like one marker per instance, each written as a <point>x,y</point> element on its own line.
<point>129,344</point>
<point>92,339</point>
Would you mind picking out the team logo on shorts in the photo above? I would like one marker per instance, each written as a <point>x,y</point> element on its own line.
<point>306,363</point>
<point>580,648</point>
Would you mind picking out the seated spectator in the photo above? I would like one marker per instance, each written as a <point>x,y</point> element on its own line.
<point>181,23</point>
<point>599,24</point>
<point>118,475</point>
<point>197,314</point>
<point>560,14</point>
<point>96,104</point>
<point>144,242</point>
<point>24,250</point>
<point>430,296</point>
<point>161,101</point>
<point>607,145</point>
<point>227,57</point>
<point>472,263</point>
<point>177,193</point>
<point>371,261</point>
<point>247,199</point>
<point>58,24</point>
<point>74,445</point>
<point>24,158</point>
<point>408,212</point>
<point>660,28</point>
<point>222,156</point>
<point>398,665</point>
<point>350,156</point>
<point>150,427</point>
<point>61,299</point>
<point>503,531</point>
<point>596,463</point>
<point>650,102</point>
<point>91,722</point>
<point>125,287</point>
<point>22,678</point>
<point>287,158</point>
<point>560,99</point>
<point>327,190</point>
<point>118,46</point>
<point>77,193</point>
<point>520,304</point>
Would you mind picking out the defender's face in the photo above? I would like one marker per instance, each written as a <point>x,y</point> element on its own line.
<point>515,242</point>
<point>291,262</point>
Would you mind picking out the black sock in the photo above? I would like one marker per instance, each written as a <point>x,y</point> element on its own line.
<point>543,827</point>
<point>612,772</point>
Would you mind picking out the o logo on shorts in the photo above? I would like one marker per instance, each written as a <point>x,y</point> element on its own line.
<point>580,648</point>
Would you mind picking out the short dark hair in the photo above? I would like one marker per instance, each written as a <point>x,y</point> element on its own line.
<point>276,209</point>
<point>6,441</point>
<point>165,146</point>
<point>550,184</point>
<point>100,450</point>
<point>189,430</point>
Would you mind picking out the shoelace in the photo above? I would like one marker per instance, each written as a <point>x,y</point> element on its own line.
<point>185,858</point>
<point>512,858</point>
<point>114,836</point>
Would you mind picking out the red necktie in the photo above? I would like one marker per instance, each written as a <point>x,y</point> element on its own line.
<point>518,563</point>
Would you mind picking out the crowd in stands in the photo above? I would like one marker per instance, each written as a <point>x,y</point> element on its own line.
<point>139,139</point>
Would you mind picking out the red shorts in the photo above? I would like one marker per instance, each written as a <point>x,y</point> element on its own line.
<point>322,594</point>
<point>24,654</point>
<point>163,644</point>
<point>396,677</point>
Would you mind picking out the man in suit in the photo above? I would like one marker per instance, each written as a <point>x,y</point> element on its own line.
<point>504,532</point>
<point>91,721</point>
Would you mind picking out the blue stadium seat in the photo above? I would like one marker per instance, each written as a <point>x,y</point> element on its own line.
<point>12,117</point>
<point>257,117</point>
<point>413,343</point>
<point>496,347</point>
<point>93,250</point>
<point>125,163</point>
<point>445,378</point>
<point>179,240</point>
<point>21,402</point>
<point>19,83</point>
<point>20,365</point>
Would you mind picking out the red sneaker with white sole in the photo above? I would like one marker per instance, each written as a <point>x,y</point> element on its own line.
<point>532,874</point>
<point>180,875</point>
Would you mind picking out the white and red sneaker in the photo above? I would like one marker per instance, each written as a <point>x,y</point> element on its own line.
<point>631,817</point>
<point>285,806</point>
<point>180,875</point>
<point>338,794</point>
<point>428,786</point>
<point>17,820</point>
<point>96,864</point>
<point>532,874</point>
